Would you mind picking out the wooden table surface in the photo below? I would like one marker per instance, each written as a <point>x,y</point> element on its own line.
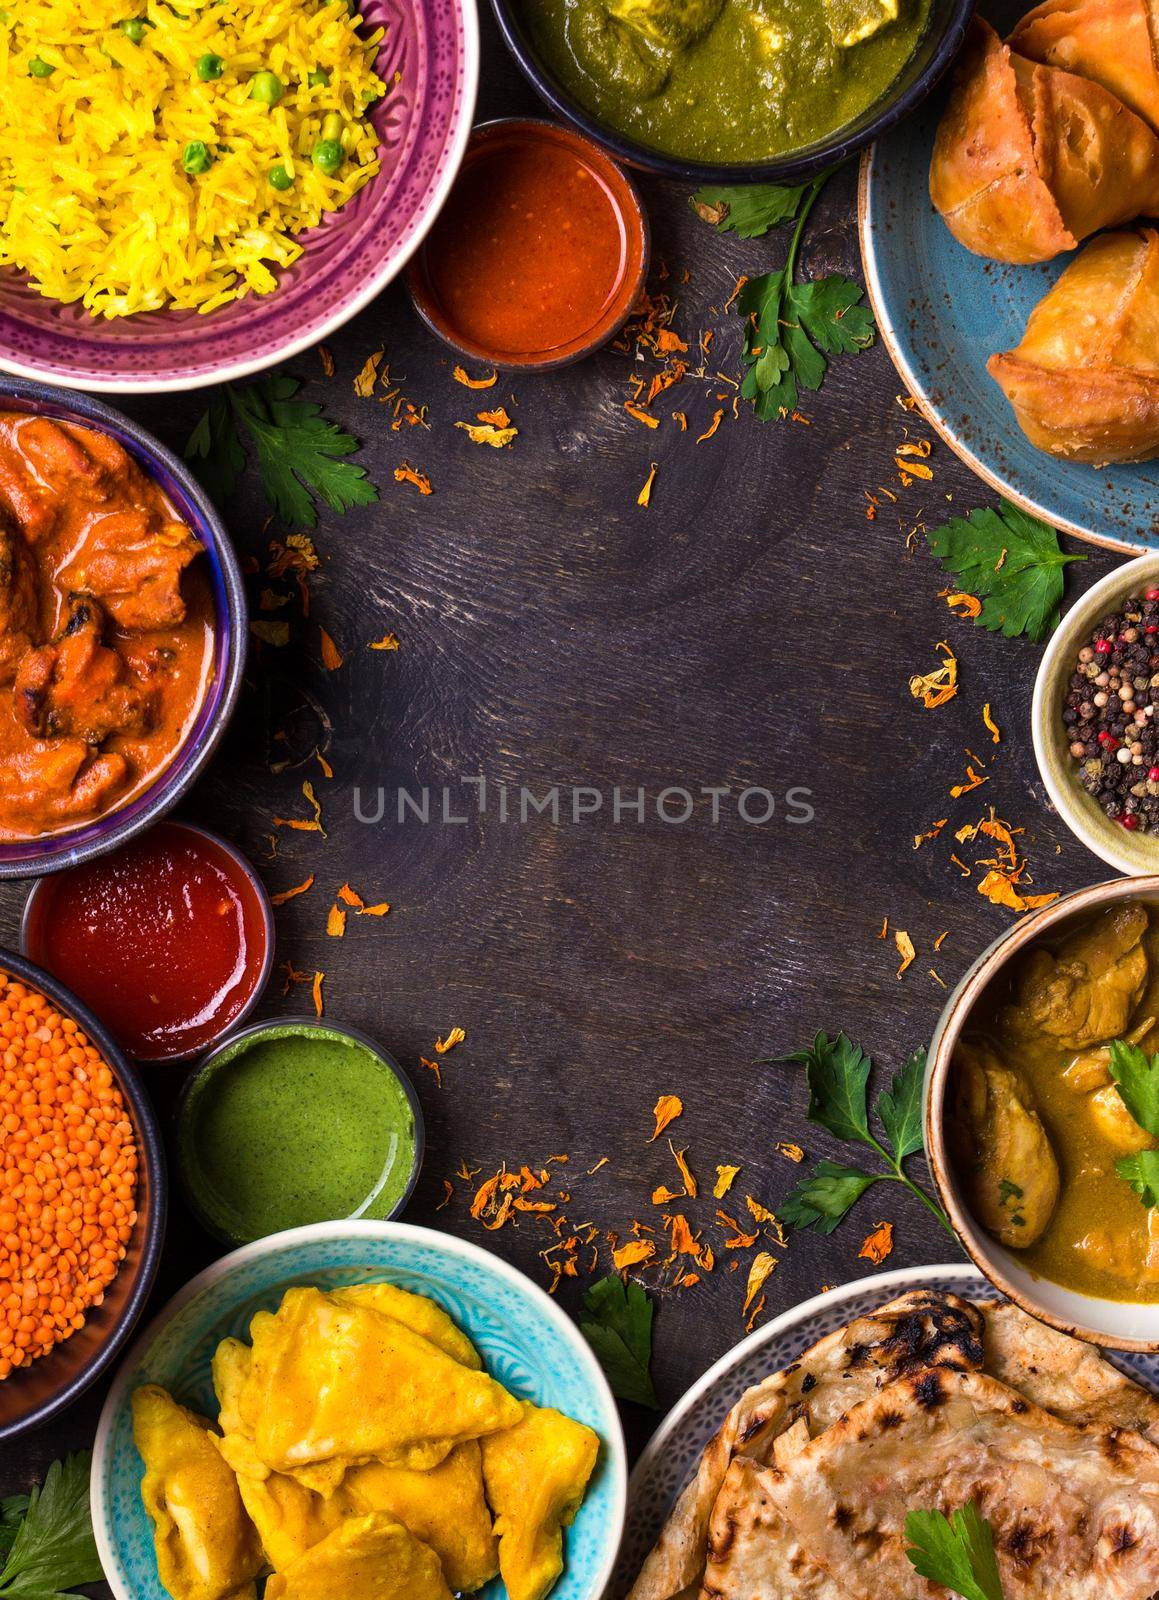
<point>749,629</point>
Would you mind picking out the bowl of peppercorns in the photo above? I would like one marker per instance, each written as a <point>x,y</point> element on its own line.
<point>1095,717</point>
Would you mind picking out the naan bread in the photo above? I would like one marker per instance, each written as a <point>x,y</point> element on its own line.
<point>754,1552</point>
<point>1075,1510</point>
<point>919,1330</point>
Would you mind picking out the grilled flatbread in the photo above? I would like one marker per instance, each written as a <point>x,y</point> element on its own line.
<point>920,1330</point>
<point>754,1553</point>
<point>1075,1509</point>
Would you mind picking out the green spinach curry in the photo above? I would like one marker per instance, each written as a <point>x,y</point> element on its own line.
<point>1036,1122</point>
<point>726,80</point>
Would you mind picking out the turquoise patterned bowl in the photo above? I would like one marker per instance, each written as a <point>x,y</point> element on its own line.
<point>526,1341</point>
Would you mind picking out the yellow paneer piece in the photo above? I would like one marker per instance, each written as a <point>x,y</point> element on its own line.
<point>536,1474</point>
<point>445,1508</point>
<point>415,1312</point>
<point>206,1545</point>
<point>366,1558</point>
<point>342,1385</point>
<point>231,1368</point>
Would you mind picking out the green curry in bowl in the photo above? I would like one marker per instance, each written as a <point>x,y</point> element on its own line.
<point>726,80</point>
<point>1047,1153</point>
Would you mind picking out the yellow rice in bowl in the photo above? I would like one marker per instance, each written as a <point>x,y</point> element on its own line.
<point>104,105</point>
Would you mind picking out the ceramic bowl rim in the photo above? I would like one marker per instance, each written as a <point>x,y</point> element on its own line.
<point>389,270</point>
<point>615,1448</point>
<point>171,785</point>
<point>422,294</point>
<point>265,910</point>
<point>950,1024</point>
<point>211,1063</point>
<point>150,1145</point>
<point>1071,802</point>
<point>794,166</point>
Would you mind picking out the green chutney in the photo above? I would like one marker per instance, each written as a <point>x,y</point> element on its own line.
<point>738,81</point>
<point>295,1124</point>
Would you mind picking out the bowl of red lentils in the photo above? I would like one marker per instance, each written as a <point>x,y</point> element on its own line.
<point>1095,717</point>
<point>82,1197</point>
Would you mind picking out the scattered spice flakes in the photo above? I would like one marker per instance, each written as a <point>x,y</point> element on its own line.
<point>389,641</point>
<point>767,1219</point>
<point>912,469</point>
<point>368,376</point>
<point>760,1271</point>
<point>382,909</point>
<point>633,1254</point>
<point>966,606</point>
<point>283,895</point>
<point>725,1178</point>
<point>877,1245</point>
<point>488,433</point>
<point>884,931</point>
<point>316,992</point>
<point>332,657</point>
<point>992,727</point>
<point>336,923</point>
<point>327,769</point>
<point>938,979</point>
<point>666,1110</point>
<point>683,1242</point>
<point>448,1195</point>
<point>350,897</point>
<point>681,419</point>
<point>691,1187</point>
<point>456,1036</point>
<point>999,889</point>
<point>940,940</point>
<point>408,474</point>
<point>305,824</point>
<point>935,688</point>
<point>641,415</point>
<point>433,1066</point>
<point>602,1162</point>
<point>717,419</point>
<point>961,866</point>
<point>272,633</point>
<point>973,780</point>
<point>644,498</point>
<point>499,418</point>
<point>664,1196</point>
<point>461,375</point>
<point>741,1239</point>
<point>791,1152</point>
<point>293,976</point>
<point>930,833</point>
<point>326,359</point>
<point>905,949</point>
<point>269,601</point>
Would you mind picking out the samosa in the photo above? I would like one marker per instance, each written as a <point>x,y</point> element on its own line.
<point>536,1474</point>
<point>1111,41</point>
<point>367,1558</point>
<point>1029,159</point>
<point>444,1507</point>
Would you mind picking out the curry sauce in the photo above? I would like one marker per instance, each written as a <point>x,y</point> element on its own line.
<point>106,627</point>
<point>1037,1123</point>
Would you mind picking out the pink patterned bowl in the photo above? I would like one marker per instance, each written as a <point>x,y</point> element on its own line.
<point>423,124</point>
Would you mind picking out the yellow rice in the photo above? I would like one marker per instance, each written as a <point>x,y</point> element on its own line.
<point>94,203</point>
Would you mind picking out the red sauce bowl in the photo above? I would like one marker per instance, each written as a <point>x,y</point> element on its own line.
<point>169,940</point>
<point>539,253</point>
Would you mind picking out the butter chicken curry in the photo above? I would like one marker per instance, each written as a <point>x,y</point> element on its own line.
<point>1036,1121</point>
<point>106,627</point>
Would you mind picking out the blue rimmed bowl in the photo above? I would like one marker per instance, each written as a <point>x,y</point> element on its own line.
<point>68,848</point>
<point>526,1342</point>
<point>31,1396</point>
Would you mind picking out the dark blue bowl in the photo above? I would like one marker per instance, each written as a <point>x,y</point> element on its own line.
<point>52,852</point>
<point>31,1395</point>
<point>935,50</point>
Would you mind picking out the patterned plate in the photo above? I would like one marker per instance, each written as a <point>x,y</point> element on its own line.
<point>526,1342</point>
<point>675,1448</point>
<point>942,311</point>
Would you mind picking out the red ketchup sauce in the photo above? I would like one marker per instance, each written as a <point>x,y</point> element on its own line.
<point>538,250</point>
<point>166,940</point>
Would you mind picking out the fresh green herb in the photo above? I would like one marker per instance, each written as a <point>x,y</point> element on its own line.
<point>300,454</point>
<point>748,209</point>
<point>49,1536</point>
<point>618,1326</point>
<point>196,158</point>
<point>955,1551</point>
<point>1008,1192</point>
<point>837,1072</point>
<point>1141,1171</point>
<point>210,67</point>
<point>1012,562</point>
<point>1137,1080</point>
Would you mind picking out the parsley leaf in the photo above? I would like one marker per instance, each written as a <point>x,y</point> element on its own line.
<point>821,1200</point>
<point>955,1551</point>
<point>53,1548</point>
<point>1137,1080</point>
<point>837,1072</point>
<point>300,454</point>
<point>1012,562</point>
<point>1141,1171</point>
<point>749,209</point>
<point>900,1107</point>
<point>618,1326</point>
<point>11,1516</point>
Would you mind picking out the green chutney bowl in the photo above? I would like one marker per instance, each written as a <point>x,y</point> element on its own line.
<point>295,1121</point>
<point>1132,853</point>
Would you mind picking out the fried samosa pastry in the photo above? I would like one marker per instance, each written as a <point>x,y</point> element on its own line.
<point>444,1507</point>
<point>1111,41</point>
<point>366,1558</point>
<point>1084,381</point>
<point>536,1474</point>
<point>415,1312</point>
<point>342,1385</point>
<point>1029,160</point>
<point>206,1545</point>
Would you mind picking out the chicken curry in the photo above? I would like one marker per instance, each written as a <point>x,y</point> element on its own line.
<point>106,627</point>
<point>1037,1122</point>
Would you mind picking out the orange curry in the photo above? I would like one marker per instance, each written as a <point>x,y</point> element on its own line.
<point>106,627</point>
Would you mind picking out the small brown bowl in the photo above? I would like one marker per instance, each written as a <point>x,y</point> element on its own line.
<point>487,140</point>
<point>1124,1325</point>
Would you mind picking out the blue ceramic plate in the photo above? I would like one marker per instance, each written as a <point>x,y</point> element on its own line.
<point>526,1342</point>
<point>943,311</point>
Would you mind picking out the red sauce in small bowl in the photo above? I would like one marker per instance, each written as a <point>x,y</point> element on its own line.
<point>168,940</point>
<point>538,254</point>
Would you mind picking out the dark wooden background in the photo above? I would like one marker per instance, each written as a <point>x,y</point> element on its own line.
<point>751,627</point>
